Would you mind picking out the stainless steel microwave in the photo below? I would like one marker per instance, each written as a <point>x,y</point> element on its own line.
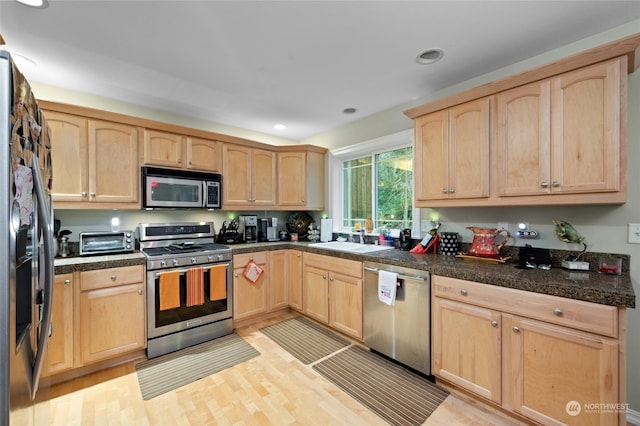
<point>168,188</point>
<point>106,242</point>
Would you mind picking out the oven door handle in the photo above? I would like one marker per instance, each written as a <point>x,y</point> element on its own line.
<point>184,271</point>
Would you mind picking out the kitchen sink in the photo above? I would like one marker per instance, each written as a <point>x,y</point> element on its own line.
<point>350,247</point>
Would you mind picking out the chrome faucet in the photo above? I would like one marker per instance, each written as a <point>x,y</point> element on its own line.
<point>361,236</point>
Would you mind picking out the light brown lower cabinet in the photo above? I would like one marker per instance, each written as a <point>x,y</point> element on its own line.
<point>533,354</point>
<point>333,292</point>
<point>96,315</point>
<point>295,279</point>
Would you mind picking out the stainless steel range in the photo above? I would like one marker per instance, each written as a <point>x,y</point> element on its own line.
<point>189,285</point>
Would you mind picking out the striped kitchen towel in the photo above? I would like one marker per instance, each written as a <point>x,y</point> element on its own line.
<point>195,287</point>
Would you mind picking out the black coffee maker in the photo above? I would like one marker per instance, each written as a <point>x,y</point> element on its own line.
<point>405,239</point>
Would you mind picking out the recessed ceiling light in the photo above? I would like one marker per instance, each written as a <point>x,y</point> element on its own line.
<point>349,111</point>
<point>40,4</point>
<point>430,56</point>
<point>279,126</point>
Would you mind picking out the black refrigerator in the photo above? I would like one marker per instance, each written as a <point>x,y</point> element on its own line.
<point>26,245</point>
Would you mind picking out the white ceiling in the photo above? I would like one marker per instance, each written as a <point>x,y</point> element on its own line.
<point>253,64</point>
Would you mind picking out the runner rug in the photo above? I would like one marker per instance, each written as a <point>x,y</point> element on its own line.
<point>304,339</point>
<point>168,372</point>
<point>395,394</point>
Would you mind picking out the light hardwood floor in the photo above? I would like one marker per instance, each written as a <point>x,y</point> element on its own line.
<point>271,389</point>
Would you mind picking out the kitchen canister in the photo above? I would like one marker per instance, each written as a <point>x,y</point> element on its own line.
<point>449,243</point>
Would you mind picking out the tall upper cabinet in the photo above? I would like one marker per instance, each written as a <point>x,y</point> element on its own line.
<point>555,134</point>
<point>301,178</point>
<point>249,177</point>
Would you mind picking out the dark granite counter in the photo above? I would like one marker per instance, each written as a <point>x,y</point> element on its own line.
<point>589,286</point>
<point>580,285</point>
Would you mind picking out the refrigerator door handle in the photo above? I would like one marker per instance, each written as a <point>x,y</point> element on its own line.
<point>45,218</point>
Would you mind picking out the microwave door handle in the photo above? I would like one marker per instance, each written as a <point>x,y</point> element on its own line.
<point>45,218</point>
<point>204,194</point>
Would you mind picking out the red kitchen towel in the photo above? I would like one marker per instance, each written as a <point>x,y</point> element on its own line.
<point>169,288</point>
<point>195,287</point>
<point>218,282</point>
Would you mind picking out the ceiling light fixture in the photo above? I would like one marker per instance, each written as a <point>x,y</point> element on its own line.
<point>430,56</point>
<point>279,126</point>
<point>349,111</point>
<point>39,4</point>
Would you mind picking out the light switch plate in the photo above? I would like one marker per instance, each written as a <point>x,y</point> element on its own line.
<point>634,233</point>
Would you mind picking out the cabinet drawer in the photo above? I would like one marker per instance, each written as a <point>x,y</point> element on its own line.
<point>591,317</point>
<point>334,264</point>
<point>241,260</point>
<point>102,278</point>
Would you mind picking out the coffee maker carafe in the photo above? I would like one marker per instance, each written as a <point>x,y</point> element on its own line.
<point>249,228</point>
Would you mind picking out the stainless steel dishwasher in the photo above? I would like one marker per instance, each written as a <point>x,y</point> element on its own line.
<point>402,331</point>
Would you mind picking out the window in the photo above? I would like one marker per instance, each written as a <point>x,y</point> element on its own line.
<point>374,180</point>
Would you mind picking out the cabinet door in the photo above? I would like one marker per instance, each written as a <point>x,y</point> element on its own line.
<point>249,298</point>
<point>69,156</point>
<point>295,279</point>
<point>430,167</point>
<point>60,344</point>
<point>345,304</point>
<point>203,154</point>
<point>586,128</point>
<point>278,280</point>
<point>469,150</point>
<point>112,321</point>
<point>292,178</point>
<point>162,149</point>
<point>548,367</point>
<point>113,162</point>
<point>466,347</point>
<point>524,138</point>
<point>236,164</point>
<point>263,175</point>
<point>316,293</point>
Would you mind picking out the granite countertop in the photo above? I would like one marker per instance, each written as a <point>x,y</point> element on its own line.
<point>588,286</point>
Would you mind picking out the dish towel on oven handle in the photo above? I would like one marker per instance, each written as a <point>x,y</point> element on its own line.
<point>253,271</point>
<point>169,289</point>
<point>195,287</point>
<point>387,284</point>
<point>218,282</point>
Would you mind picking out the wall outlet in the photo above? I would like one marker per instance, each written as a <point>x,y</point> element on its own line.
<point>634,233</point>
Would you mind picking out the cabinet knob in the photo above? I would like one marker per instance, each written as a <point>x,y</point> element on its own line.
<point>516,329</point>
<point>463,292</point>
<point>555,184</point>
<point>494,323</point>
<point>83,194</point>
<point>92,194</point>
<point>444,190</point>
<point>451,191</point>
<point>139,291</point>
<point>544,184</point>
<point>191,163</point>
<point>324,277</point>
<point>235,275</point>
<point>113,278</point>
<point>558,312</point>
<point>67,282</point>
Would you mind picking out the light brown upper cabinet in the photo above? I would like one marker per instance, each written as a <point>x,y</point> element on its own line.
<point>172,150</point>
<point>452,153</point>
<point>301,180</point>
<point>249,177</point>
<point>562,135</point>
<point>95,162</point>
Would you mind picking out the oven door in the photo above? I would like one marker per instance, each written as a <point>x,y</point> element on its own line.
<point>167,321</point>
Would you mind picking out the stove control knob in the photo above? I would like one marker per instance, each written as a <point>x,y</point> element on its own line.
<point>175,262</point>
<point>163,263</point>
<point>194,260</point>
<point>219,257</point>
<point>210,258</point>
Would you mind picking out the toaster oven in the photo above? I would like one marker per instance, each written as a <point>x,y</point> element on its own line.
<point>106,242</point>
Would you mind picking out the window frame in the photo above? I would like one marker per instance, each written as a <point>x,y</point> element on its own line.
<point>371,147</point>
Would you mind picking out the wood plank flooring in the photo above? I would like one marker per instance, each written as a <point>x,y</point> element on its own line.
<point>271,389</point>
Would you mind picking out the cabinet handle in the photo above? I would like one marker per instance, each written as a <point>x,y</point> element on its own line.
<point>324,277</point>
<point>93,194</point>
<point>235,275</point>
<point>84,194</point>
<point>494,323</point>
<point>113,278</point>
<point>139,291</point>
<point>555,184</point>
<point>544,184</point>
<point>516,329</point>
<point>451,191</point>
<point>191,163</point>
<point>463,292</point>
<point>558,312</point>
<point>444,190</point>
<point>67,282</point>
